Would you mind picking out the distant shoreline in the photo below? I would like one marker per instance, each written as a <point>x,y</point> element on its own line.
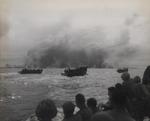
<point>10,67</point>
<point>64,67</point>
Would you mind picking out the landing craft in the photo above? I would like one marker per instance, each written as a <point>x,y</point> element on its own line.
<point>30,71</point>
<point>80,71</point>
<point>122,70</point>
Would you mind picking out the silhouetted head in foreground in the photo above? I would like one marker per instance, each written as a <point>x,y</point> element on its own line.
<point>146,76</point>
<point>118,85</point>
<point>119,97</point>
<point>110,91</point>
<point>92,104</point>
<point>84,112</point>
<point>125,77</point>
<point>68,109</point>
<point>137,79</point>
<point>80,100</point>
<point>46,110</point>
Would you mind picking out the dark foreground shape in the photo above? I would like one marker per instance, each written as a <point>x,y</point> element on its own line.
<point>146,76</point>
<point>122,70</point>
<point>31,71</point>
<point>81,71</point>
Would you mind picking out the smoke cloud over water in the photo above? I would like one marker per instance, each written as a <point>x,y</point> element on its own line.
<point>65,51</point>
<point>83,47</point>
<point>98,33</point>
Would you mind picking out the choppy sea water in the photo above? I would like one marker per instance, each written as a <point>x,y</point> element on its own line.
<point>20,94</point>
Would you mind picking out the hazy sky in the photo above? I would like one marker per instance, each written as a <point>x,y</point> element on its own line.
<point>25,24</point>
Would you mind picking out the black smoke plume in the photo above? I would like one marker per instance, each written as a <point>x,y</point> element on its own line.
<point>70,47</point>
<point>62,55</point>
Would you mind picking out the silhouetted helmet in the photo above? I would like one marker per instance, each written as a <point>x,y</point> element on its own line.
<point>68,108</point>
<point>125,76</point>
<point>46,109</point>
<point>80,99</point>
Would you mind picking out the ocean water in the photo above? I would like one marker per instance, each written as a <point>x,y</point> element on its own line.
<point>20,94</point>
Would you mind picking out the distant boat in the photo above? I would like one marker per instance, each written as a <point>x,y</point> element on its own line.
<point>122,70</point>
<point>80,71</point>
<point>30,71</point>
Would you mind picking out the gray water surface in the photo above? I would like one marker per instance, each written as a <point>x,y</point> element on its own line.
<point>20,94</point>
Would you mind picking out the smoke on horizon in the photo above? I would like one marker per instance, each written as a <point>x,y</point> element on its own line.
<point>62,55</point>
<point>82,47</point>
